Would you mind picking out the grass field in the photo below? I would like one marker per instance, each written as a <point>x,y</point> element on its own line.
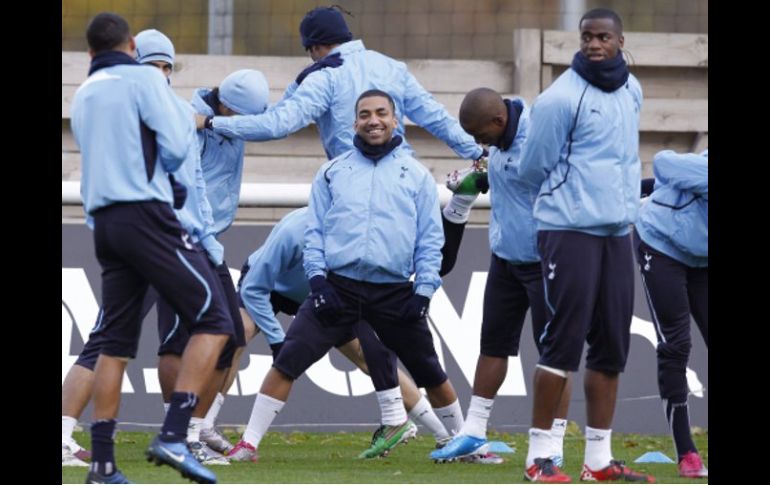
<point>331,458</point>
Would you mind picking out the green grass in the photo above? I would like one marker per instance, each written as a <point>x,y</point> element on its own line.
<point>331,458</point>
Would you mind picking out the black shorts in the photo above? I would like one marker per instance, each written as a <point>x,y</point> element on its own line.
<point>380,305</point>
<point>90,352</point>
<point>141,244</point>
<point>174,335</point>
<point>511,290</point>
<point>589,298</point>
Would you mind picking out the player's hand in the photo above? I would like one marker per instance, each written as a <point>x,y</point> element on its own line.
<point>416,308</point>
<point>326,303</point>
<point>200,122</point>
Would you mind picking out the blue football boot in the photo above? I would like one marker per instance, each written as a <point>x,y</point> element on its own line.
<point>178,456</point>
<point>460,446</point>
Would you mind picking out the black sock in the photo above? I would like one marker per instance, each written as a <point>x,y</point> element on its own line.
<point>103,446</point>
<point>678,419</point>
<point>178,416</point>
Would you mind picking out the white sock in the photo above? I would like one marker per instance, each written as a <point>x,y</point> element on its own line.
<point>263,413</point>
<point>598,448</point>
<point>539,445</point>
<point>392,406</point>
<point>423,414</point>
<point>194,429</point>
<point>459,208</point>
<point>451,416</point>
<point>558,428</point>
<point>67,426</point>
<point>478,416</point>
<point>211,416</point>
<point>166,405</point>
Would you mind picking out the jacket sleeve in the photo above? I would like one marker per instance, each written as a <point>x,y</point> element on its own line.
<point>207,213</point>
<point>423,109</point>
<point>430,239</point>
<point>277,254</point>
<point>169,117</point>
<point>549,124</point>
<point>307,103</point>
<point>687,171</point>
<point>320,202</point>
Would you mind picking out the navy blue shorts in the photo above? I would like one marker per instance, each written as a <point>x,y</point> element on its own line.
<point>140,244</point>
<point>90,352</point>
<point>307,340</point>
<point>379,305</point>
<point>589,291</point>
<point>174,336</point>
<point>510,291</point>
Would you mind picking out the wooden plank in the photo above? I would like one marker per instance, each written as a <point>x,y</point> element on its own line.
<point>645,49</point>
<point>194,70</point>
<point>651,143</point>
<point>68,92</point>
<point>527,54</point>
<point>675,115</point>
<point>307,143</point>
<point>666,82</point>
<point>460,76</point>
<point>274,169</point>
<point>451,101</point>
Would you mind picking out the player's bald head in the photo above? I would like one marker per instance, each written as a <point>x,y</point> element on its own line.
<point>479,106</point>
<point>483,115</point>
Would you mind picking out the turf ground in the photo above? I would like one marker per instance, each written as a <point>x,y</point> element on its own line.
<point>331,458</point>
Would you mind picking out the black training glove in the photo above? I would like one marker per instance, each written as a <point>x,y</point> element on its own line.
<point>416,308</point>
<point>180,192</point>
<point>647,186</point>
<point>276,348</point>
<point>326,302</point>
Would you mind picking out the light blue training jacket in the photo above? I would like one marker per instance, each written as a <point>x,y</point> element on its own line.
<point>195,216</point>
<point>328,97</point>
<point>106,113</point>
<point>375,222</point>
<point>588,171</point>
<point>276,266</point>
<point>512,232</point>
<point>675,220</point>
<point>222,163</point>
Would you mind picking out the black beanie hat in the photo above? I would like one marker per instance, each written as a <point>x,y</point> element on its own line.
<point>324,26</point>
